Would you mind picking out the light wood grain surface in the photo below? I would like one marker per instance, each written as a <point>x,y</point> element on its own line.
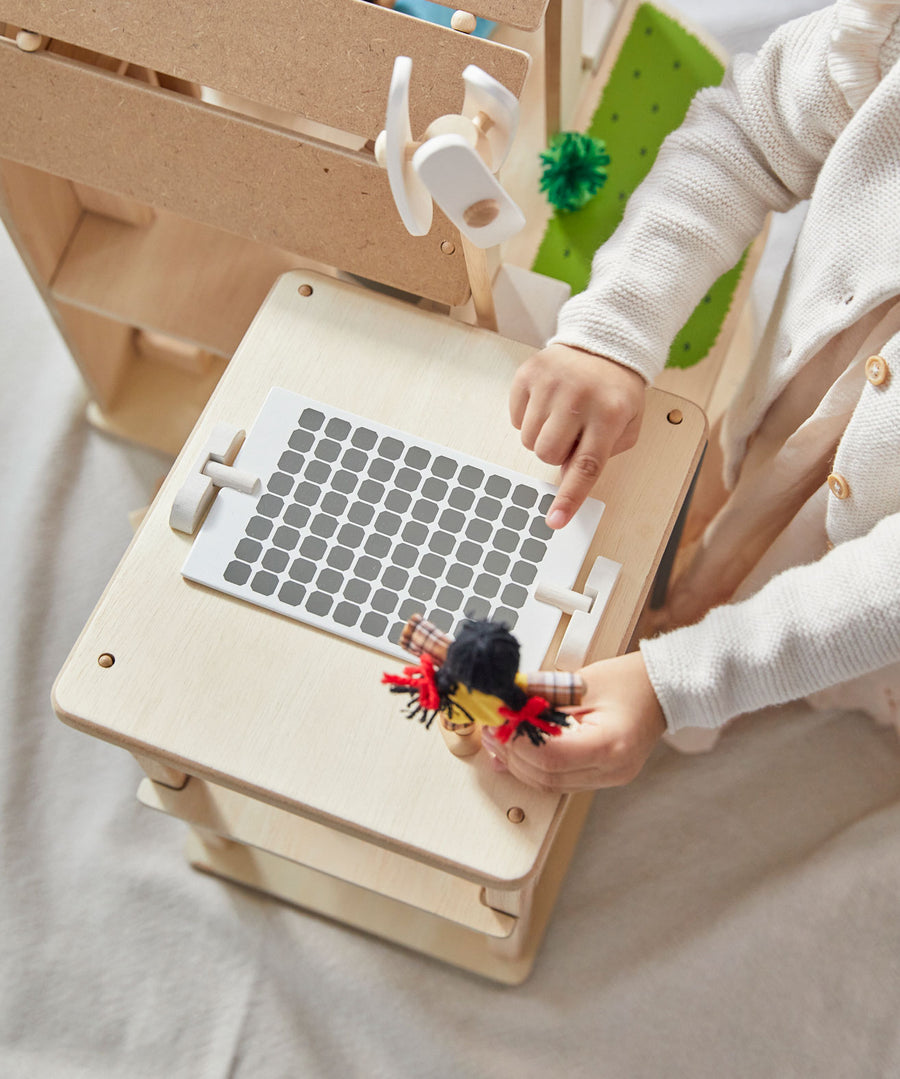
<point>296,717</point>
<point>199,284</point>
<point>507,959</point>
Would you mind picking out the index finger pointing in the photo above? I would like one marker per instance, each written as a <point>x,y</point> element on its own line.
<point>580,473</point>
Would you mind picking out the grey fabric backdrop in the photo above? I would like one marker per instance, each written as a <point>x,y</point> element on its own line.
<point>732,915</point>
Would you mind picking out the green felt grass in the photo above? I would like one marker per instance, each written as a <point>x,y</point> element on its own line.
<point>659,69</point>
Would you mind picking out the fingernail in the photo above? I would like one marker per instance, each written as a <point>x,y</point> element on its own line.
<point>556,519</point>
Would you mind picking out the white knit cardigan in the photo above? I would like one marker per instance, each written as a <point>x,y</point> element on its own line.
<point>815,115</point>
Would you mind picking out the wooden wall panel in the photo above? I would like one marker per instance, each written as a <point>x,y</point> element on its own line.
<point>329,60</point>
<point>250,178</point>
<point>41,213</point>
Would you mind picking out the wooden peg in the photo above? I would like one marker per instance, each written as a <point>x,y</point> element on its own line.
<point>565,599</point>
<point>481,213</point>
<point>480,282</point>
<point>161,773</point>
<point>461,741</point>
<point>463,21</point>
<point>29,41</point>
<point>210,839</point>
<point>161,348</point>
<point>483,122</point>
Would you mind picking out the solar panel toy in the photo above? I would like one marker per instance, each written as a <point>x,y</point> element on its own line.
<point>354,527</point>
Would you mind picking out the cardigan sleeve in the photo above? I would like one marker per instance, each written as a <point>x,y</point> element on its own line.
<point>754,144</point>
<point>809,628</point>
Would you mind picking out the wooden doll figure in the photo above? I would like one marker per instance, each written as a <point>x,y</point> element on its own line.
<point>473,681</point>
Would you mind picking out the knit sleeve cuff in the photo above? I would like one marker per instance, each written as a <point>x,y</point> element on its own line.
<point>861,30</point>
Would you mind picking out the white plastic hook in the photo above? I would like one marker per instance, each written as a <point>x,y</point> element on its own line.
<point>460,183</point>
<point>212,469</point>
<point>485,97</point>
<point>449,166</point>
<point>410,195</point>
<point>585,617</point>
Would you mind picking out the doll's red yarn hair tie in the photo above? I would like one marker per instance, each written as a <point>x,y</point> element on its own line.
<point>531,714</point>
<point>419,678</point>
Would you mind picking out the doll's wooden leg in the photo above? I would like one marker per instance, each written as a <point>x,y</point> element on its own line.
<point>461,741</point>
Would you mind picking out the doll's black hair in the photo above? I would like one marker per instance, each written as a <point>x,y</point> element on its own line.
<point>484,656</point>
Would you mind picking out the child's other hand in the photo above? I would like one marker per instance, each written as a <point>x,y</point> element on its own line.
<point>575,410</point>
<point>612,733</point>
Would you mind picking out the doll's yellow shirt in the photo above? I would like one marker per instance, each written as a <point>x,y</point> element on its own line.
<point>484,708</point>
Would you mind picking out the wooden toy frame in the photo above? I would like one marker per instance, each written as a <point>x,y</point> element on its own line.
<point>154,205</point>
<point>116,165</point>
<point>305,779</point>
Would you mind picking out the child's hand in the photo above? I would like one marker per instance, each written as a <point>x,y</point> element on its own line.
<point>613,732</point>
<point>576,410</point>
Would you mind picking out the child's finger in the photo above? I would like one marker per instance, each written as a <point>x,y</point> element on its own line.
<point>581,758</point>
<point>558,437</point>
<point>580,473</point>
<point>519,395</point>
<point>536,415</point>
<point>530,765</point>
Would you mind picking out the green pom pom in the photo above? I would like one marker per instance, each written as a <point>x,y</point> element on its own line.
<point>574,170</point>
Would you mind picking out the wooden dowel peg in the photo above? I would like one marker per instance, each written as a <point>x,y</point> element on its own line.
<point>29,41</point>
<point>463,21</point>
<point>234,478</point>
<point>562,598</point>
<point>461,741</point>
<point>480,281</point>
<point>481,213</point>
<point>161,773</point>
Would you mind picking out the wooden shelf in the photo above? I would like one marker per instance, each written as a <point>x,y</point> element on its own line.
<point>368,911</point>
<point>335,854</point>
<point>174,276</point>
<point>506,960</point>
<point>156,404</point>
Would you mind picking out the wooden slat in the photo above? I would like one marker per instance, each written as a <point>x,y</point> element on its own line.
<point>41,213</point>
<point>234,816</point>
<point>102,350</point>
<point>195,283</point>
<point>507,960</point>
<point>379,915</point>
<point>154,404</point>
<point>329,60</point>
<point>247,177</point>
